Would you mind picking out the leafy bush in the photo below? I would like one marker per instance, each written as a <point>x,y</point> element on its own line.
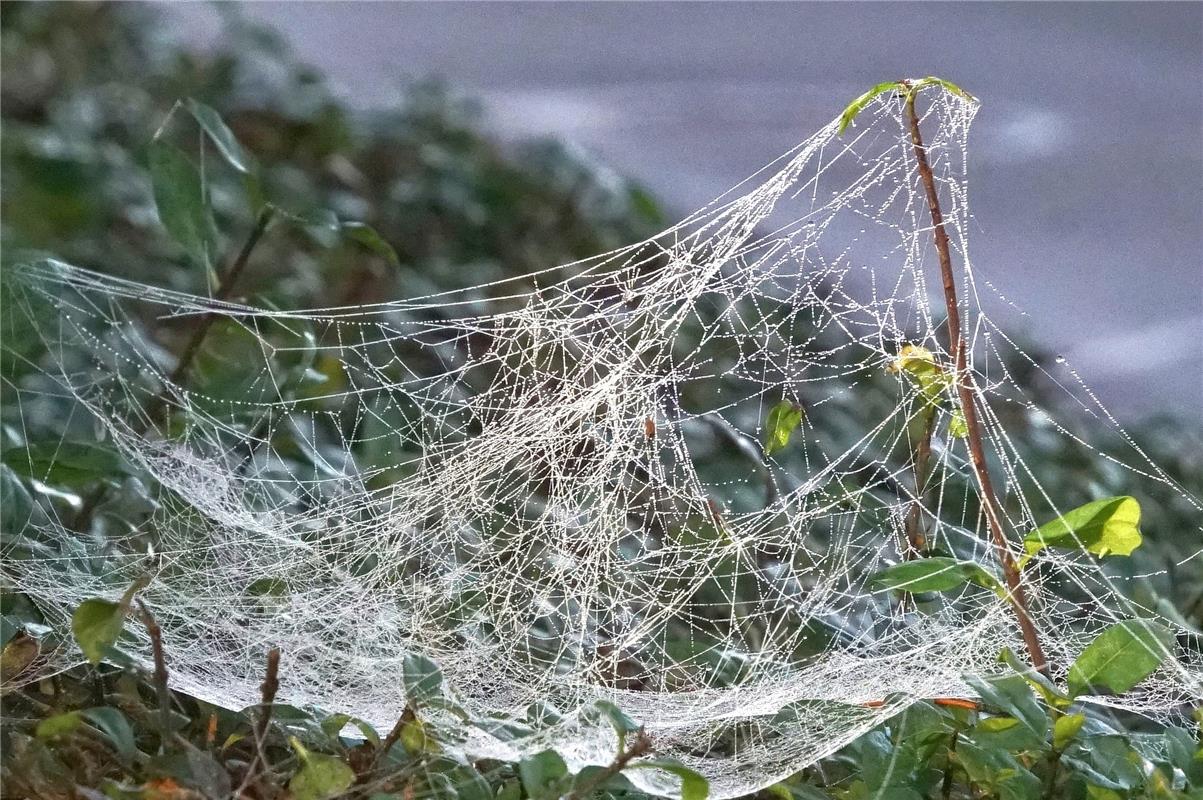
<point>312,205</point>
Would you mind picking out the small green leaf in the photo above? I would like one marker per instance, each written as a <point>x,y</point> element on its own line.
<point>935,574</point>
<point>1102,527</point>
<point>542,773</point>
<point>423,679</point>
<point>416,738</point>
<point>1066,728</point>
<point>97,622</point>
<point>957,427</point>
<point>1121,657</point>
<point>65,463</point>
<point>783,419</point>
<point>221,136</point>
<point>858,105</point>
<point>367,236</point>
<point>181,202</point>
<point>113,724</point>
<point>693,785</point>
<point>58,725</point>
<point>1012,695</point>
<point>320,776</point>
<point>622,724</point>
<point>96,625</point>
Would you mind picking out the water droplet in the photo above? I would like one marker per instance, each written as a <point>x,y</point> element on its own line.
<point>1060,359</point>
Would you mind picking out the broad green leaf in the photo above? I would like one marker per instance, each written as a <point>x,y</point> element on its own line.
<point>113,724</point>
<point>1006,733</point>
<point>920,365</point>
<point>367,236</point>
<point>541,773</point>
<point>182,202</point>
<point>58,725</point>
<point>783,419</point>
<point>693,785</point>
<point>858,105</point>
<point>1102,527</point>
<point>1012,695</point>
<point>1066,728</point>
<point>935,574</point>
<point>221,135</point>
<point>423,679</point>
<point>65,463</point>
<point>320,776</point>
<point>1121,657</point>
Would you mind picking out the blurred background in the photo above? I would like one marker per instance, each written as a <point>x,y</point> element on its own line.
<point>1086,158</point>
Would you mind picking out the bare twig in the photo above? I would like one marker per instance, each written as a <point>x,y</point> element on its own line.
<point>161,690</point>
<point>225,288</point>
<point>969,398</point>
<point>640,746</point>
<point>267,689</point>
<point>407,716</point>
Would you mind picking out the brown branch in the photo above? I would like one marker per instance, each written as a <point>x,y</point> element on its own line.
<point>641,746</point>
<point>161,690</point>
<point>968,396</point>
<point>267,689</point>
<point>394,735</point>
<point>225,288</point>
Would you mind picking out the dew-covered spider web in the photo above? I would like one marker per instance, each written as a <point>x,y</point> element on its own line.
<point>556,486</point>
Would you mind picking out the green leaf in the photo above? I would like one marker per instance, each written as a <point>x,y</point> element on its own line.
<point>423,679</point>
<point>320,776</point>
<point>367,236</point>
<point>333,725</point>
<point>935,574</point>
<point>221,136</point>
<point>97,622</point>
<point>65,463</point>
<point>180,199</point>
<point>1102,527</point>
<point>693,785</point>
<point>783,419</point>
<point>1066,728</point>
<point>416,738</point>
<point>858,105</point>
<point>1049,691</point>
<point>96,625</point>
<point>541,773</point>
<point>113,724</point>
<point>619,720</point>
<point>957,427</point>
<point>1121,657</point>
<point>1012,695</point>
<point>58,725</point>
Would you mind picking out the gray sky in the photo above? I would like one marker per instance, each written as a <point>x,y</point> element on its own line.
<point>1086,158</point>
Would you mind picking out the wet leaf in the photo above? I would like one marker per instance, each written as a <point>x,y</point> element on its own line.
<point>693,785</point>
<point>1121,657</point>
<point>320,776</point>
<point>221,136</point>
<point>935,574</point>
<point>182,203</point>
<point>1102,527</point>
<point>423,679</point>
<point>783,420</point>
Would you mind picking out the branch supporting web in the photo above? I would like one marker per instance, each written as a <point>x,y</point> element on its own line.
<point>555,486</point>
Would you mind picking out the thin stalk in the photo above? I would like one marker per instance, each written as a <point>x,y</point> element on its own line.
<point>641,746</point>
<point>916,535</point>
<point>225,288</point>
<point>968,396</point>
<point>161,676</point>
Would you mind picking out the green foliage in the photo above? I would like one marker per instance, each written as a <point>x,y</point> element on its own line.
<point>1103,527</point>
<point>904,88</point>
<point>97,623</point>
<point>783,420</point>
<point>182,202</point>
<point>1121,657</point>
<point>693,785</point>
<point>320,776</point>
<point>935,574</point>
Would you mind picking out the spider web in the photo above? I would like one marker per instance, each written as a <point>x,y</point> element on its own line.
<point>554,486</point>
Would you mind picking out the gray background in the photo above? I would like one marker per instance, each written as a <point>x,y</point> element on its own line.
<point>1086,158</point>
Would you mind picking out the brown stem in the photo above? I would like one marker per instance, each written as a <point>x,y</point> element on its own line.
<point>407,716</point>
<point>915,534</point>
<point>161,690</point>
<point>968,395</point>
<point>225,287</point>
<point>268,689</point>
<point>641,746</point>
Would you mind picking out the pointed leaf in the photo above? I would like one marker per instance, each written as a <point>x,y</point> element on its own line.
<point>113,724</point>
<point>367,236</point>
<point>1103,527</point>
<point>935,574</point>
<point>1121,657</point>
<point>221,136</point>
<point>783,419</point>
<point>1066,728</point>
<point>96,625</point>
<point>693,785</point>
<point>181,202</point>
<point>423,679</point>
